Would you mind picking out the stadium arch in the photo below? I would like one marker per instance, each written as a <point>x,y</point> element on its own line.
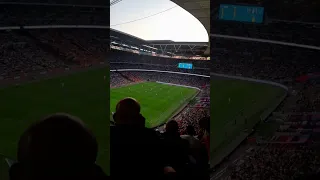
<point>163,48</point>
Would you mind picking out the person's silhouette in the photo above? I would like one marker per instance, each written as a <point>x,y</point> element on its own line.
<point>58,147</point>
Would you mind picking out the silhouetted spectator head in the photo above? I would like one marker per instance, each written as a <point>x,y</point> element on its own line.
<point>128,113</point>
<point>190,130</point>
<point>58,146</point>
<point>204,123</point>
<point>172,128</point>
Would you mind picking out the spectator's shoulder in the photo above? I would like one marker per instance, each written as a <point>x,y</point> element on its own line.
<point>185,142</point>
<point>184,136</point>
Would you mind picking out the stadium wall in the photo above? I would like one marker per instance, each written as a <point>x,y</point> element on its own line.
<point>178,85</point>
<point>252,80</point>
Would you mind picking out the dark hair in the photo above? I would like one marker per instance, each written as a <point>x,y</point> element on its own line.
<point>190,130</point>
<point>57,143</point>
<point>172,127</point>
<point>204,123</point>
<point>128,113</point>
<point>129,104</point>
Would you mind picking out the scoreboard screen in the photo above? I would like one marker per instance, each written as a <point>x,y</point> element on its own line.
<point>239,13</point>
<point>185,65</point>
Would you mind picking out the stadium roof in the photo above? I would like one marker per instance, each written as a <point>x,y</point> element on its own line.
<point>121,36</point>
<point>165,47</point>
<point>180,48</point>
<point>199,9</point>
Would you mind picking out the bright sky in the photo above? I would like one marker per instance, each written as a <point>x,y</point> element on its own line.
<point>175,24</point>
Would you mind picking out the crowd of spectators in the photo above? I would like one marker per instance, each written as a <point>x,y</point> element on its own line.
<point>20,54</point>
<point>263,60</point>
<point>283,155</point>
<point>300,33</point>
<point>283,64</point>
<point>288,50</point>
<point>116,80</point>
<point>79,46</point>
<point>174,156</point>
<point>278,162</point>
<point>26,53</point>
<point>191,114</point>
<point>32,15</point>
<point>181,79</point>
<point>122,59</point>
<point>278,63</point>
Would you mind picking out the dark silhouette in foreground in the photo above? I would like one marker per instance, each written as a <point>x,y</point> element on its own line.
<point>58,147</point>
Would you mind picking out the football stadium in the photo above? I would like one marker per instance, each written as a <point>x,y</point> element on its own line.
<point>264,90</point>
<point>170,82</point>
<point>52,59</point>
<point>166,92</point>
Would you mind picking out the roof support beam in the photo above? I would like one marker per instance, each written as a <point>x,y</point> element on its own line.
<point>163,50</point>
<point>176,48</point>
<point>191,48</point>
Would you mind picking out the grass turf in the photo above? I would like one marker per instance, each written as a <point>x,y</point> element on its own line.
<point>85,94</point>
<point>227,121</point>
<point>158,101</point>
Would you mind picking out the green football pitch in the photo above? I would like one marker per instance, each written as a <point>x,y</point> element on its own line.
<point>248,100</point>
<point>158,101</point>
<point>84,94</point>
